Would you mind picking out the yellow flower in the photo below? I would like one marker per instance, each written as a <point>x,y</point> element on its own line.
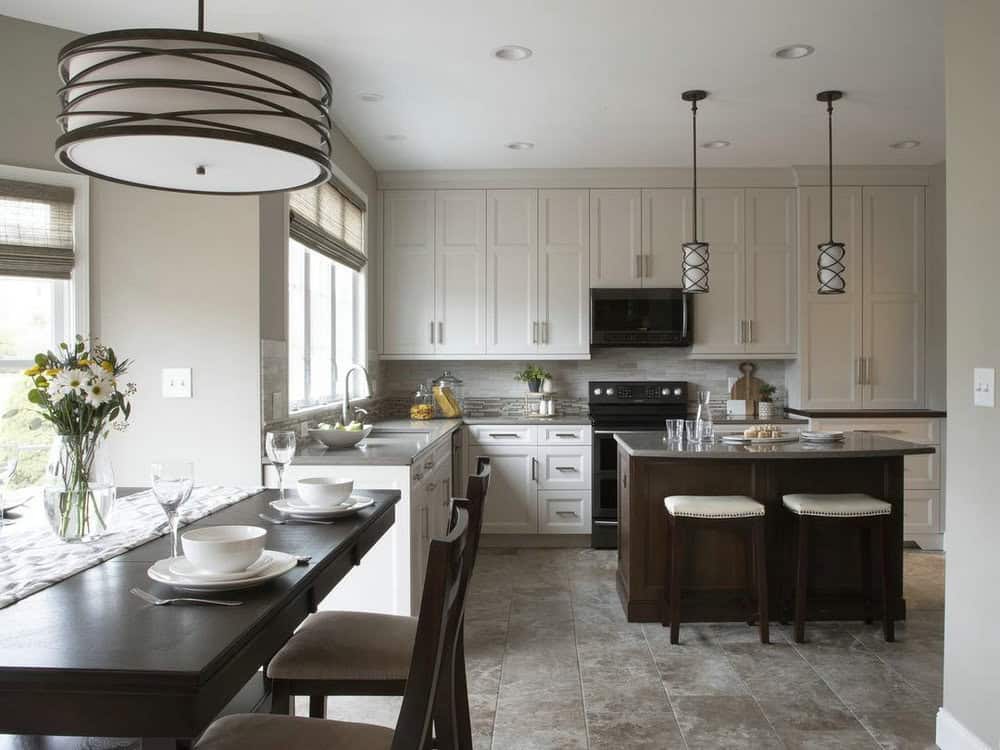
<point>32,371</point>
<point>107,366</point>
<point>51,373</point>
<point>85,363</point>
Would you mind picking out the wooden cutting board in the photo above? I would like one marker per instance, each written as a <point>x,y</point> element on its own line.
<point>747,388</point>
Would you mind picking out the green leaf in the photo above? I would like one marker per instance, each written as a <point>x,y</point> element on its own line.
<point>35,396</point>
<point>41,360</point>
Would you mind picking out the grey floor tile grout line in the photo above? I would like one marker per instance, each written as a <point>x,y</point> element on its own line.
<point>891,668</point>
<point>663,685</point>
<point>503,658</point>
<point>729,661</point>
<point>576,649</point>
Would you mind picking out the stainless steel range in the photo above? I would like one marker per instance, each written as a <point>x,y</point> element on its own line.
<point>624,406</point>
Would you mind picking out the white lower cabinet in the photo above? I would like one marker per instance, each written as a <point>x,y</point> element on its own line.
<point>534,489</point>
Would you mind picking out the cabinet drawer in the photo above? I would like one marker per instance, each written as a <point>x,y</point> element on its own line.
<point>563,512</point>
<point>569,434</point>
<point>504,434</point>
<point>914,430</point>
<point>922,472</point>
<point>432,458</point>
<point>921,512</point>
<point>564,468</point>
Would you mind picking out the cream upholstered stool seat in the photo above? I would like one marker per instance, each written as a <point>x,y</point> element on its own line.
<point>273,732</point>
<point>736,512</point>
<point>866,513</point>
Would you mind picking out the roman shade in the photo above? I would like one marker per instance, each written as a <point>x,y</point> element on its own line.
<point>329,220</point>
<point>36,230</point>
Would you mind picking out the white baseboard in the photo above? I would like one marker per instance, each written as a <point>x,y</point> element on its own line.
<point>953,735</point>
<point>926,541</point>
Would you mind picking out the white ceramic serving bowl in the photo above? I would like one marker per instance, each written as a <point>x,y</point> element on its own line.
<point>338,439</point>
<point>324,493</point>
<point>223,549</point>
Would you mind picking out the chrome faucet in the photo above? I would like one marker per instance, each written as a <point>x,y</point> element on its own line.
<point>346,418</point>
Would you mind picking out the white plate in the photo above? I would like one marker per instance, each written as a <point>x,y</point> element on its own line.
<point>740,440</point>
<point>281,563</point>
<point>825,437</point>
<point>181,566</point>
<point>358,502</point>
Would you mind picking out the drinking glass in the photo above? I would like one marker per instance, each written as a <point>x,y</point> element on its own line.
<point>281,450</point>
<point>8,465</point>
<point>172,484</point>
<point>675,430</point>
<point>692,430</point>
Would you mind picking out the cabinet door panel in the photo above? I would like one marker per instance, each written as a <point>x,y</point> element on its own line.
<point>771,278</point>
<point>830,324</point>
<point>408,272</point>
<point>666,218</point>
<point>460,262</point>
<point>563,512</point>
<point>564,467</point>
<point>511,271</point>
<point>564,271</point>
<point>718,313</point>
<point>921,512</point>
<point>894,297</point>
<point>513,504</point>
<point>615,238</point>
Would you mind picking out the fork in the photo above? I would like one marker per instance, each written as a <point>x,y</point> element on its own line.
<point>281,521</point>
<point>147,597</point>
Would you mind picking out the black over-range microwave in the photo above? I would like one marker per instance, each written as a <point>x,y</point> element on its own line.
<point>640,317</point>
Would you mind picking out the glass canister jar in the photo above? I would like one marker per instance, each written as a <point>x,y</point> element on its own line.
<point>449,394</point>
<point>423,404</point>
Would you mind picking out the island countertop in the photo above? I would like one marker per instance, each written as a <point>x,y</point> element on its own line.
<point>854,445</point>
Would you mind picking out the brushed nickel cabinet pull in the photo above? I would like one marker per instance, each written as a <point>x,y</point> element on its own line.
<point>566,468</point>
<point>432,331</point>
<point>498,435</point>
<point>534,470</point>
<point>749,331</point>
<point>569,513</point>
<point>647,261</point>
<point>534,332</point>
<point>545,331</point>
<point>567,435</point>
<point>440,332</point>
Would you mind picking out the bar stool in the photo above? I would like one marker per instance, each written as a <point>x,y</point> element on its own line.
<point>733,512</point>
<point>863,512</point>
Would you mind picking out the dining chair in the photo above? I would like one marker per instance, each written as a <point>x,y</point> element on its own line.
<point>365,653</point>
<point>441,608</point>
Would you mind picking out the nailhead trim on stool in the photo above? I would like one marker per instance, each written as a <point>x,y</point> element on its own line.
<point>713,506</point>
<point>847,505</point>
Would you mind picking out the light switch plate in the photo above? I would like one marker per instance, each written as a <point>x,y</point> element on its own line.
<point>177,382</point>
<point>984,380</point>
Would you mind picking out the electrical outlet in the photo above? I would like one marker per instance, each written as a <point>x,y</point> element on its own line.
<point>983,386</point>
<point>177,382</point>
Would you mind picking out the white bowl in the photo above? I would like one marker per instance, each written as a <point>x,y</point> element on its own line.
<point>224,549</point>
<point>324,492</point>
<point>338,439</point>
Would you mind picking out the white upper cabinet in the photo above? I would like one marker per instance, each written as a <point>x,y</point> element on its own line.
<point>460,264</point>
<point>770,269</point>
<point>511,271</point>
<point>893,298</point>
<point>719,315</point>
<point>408,272</point>
<point>666,223</point>
<point>564,271</point>
<point>616,252</point>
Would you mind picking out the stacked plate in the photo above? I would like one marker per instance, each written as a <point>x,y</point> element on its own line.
<point>817,436</point>
<point>296,508</point>
<point>181,573</point>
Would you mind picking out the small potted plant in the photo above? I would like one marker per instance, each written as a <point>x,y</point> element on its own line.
<point>533,376</point>
<point>766,408</point>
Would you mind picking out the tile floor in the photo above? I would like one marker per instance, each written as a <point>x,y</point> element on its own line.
<point>555,666</point>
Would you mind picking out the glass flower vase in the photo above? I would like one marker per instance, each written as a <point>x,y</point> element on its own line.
<point>79,489</point>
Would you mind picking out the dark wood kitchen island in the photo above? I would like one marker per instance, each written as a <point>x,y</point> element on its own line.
<point>713,578</point>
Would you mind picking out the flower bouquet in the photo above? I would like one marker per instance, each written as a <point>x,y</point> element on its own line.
<point>77,391</point>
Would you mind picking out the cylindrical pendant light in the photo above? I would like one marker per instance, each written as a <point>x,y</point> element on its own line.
<point>694,265</point>
<point>193,111</point>
<point>830,266</point>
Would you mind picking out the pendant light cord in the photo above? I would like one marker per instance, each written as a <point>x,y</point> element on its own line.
<point>201,15</point>
<point>829,131</point>
<point>694,161</point>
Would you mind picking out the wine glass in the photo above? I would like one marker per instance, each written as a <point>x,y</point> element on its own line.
<point>8,465</point>
<point>281,451</point>
<point>172,485</point>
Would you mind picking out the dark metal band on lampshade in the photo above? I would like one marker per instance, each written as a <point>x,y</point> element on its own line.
<point>193,111</point>
<point>830,266</point>
<point>694,259</point>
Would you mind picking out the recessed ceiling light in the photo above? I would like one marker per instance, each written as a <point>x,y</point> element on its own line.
<point>512,53</point>
<point>395,137</point>
<point>370,96</point>
<point>520,145</point>
<point>793,51</point>
<point>716,144</point>
<point>905,144</point>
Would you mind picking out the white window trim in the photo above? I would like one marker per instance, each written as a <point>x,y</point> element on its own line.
<point>79,286</point>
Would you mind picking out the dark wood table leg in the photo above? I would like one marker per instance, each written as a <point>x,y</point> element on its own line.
<point>866,570</point>
<point>801,580</point>
<point>760,559</point>
<point>676,552</point>
<point>885,562</point>
<point>748,564</point>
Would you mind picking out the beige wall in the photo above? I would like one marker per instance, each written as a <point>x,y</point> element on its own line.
<point>972,607</point>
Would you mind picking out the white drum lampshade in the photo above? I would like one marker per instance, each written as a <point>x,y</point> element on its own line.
<point>193,111</point>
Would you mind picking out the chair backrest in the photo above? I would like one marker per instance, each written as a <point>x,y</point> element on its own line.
<point>440,608</point>
<point>475,502</point>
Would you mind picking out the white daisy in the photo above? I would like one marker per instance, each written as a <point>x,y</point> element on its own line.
<point>99,391</point>
<point>67,382</point>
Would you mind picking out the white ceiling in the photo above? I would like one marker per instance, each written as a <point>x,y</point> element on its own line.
<point>603,87</point>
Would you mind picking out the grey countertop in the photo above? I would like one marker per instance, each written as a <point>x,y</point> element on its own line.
<point>757,420</point>
<point>408,440</point>
<point>855,445</point>
<point>558,419</point>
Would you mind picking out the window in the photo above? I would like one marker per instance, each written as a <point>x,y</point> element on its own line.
<point>326,316</point>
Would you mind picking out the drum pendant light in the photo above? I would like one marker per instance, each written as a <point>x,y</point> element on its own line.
<point>193,112</point>
<point>830,262</point>
<point>694,265</point>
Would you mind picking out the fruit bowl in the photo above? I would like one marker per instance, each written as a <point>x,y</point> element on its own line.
<point>340,438</point>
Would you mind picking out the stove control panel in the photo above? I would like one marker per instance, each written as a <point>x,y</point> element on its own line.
<point>638,392</point>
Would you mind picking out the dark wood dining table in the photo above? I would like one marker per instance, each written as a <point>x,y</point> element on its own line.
<point>84,657</point>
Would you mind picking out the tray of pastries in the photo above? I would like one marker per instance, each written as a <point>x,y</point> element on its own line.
<point>761,434</point>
